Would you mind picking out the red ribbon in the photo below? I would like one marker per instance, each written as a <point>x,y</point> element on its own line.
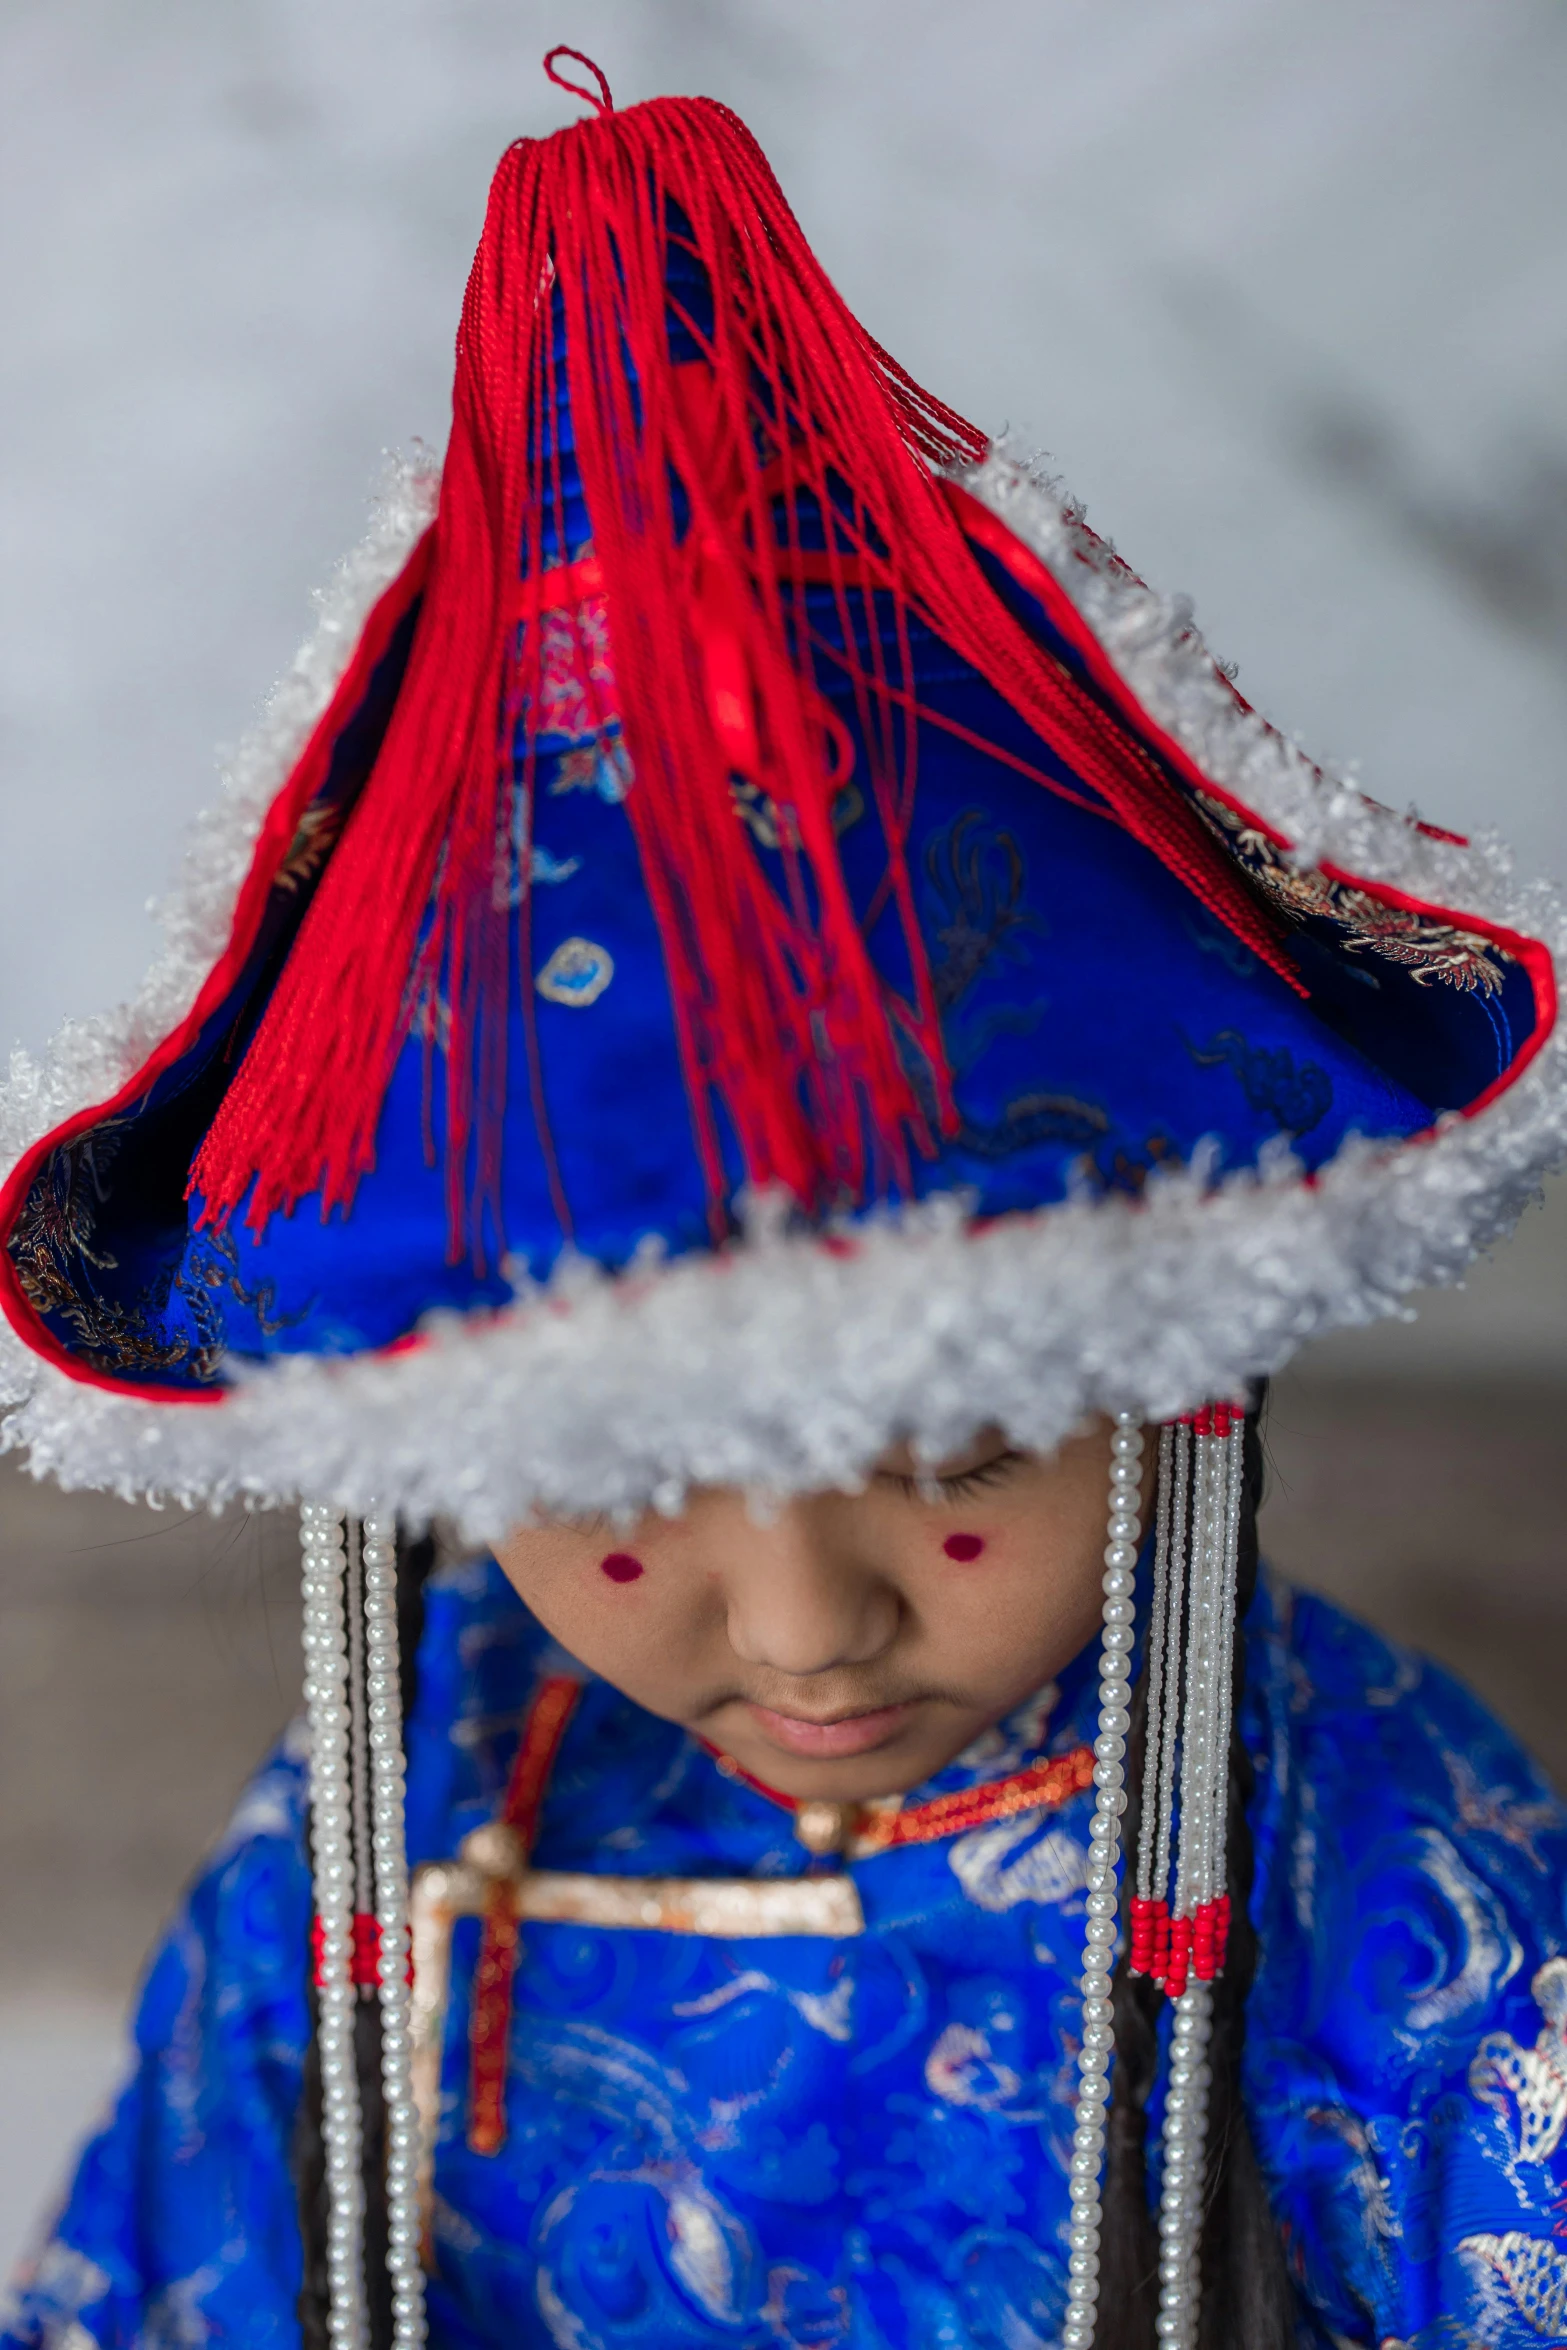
<point>489,2022</point>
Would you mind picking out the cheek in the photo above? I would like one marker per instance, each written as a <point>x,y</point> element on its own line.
<point>621,1567</point>
<point>964,1547</point>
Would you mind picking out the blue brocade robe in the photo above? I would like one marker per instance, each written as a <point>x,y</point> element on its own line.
<point>863,2142</point>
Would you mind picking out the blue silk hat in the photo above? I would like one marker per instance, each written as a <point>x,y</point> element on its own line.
<point>749,933</point>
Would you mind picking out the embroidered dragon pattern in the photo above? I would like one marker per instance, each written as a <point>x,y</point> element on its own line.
<point>1423,945</point>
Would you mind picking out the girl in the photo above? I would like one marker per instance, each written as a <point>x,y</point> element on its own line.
<point>824,1054</point>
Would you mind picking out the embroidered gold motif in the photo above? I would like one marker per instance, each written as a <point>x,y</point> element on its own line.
<point>52,1247</point>
<point>601,765</point>
<point>59,1219</point>
<point>1499,1811</point>
<point>210,1270</point>
<point>978,877</point>
<point>728,1907</point>
<point>317,829</point>
<point>1527,2087</point>
<point>1426,948</point>
<point>768,824</point>
<point>576,974</point>
<point>1534,2272</point>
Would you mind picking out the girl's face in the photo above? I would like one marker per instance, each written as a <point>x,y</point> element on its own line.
<point>852,1644</point>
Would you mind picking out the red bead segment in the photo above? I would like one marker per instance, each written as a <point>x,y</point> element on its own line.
<point>364,1960</point>
<point>1215,1419</point>
<point>1150,1938</point>
<point>964,1546</point>
<point>1210,1938</point>
<point>1180,1957</point>
<point>621,1567</point>
<point>1171,1950</point>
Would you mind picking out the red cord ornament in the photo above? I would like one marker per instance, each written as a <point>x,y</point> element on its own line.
<point>695,477</point>
<point>500,1940</point>
<point>603,101</point>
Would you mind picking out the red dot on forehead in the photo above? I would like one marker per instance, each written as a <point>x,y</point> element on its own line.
<point>621,1567</point>
<point>963,1546</point>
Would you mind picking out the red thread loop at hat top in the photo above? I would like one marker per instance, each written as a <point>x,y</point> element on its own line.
<point>604,102</point>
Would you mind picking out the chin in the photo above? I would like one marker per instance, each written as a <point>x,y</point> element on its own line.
<point>864,1780</point>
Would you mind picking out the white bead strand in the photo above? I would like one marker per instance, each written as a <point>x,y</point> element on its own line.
<point>1235,1483</point>
<point>1195,1722</point>
<point>1217,1483</point>
<point>1201,1724</point>
<point>1175,1606</point>
<point>383,1695</point>
<point>1217,1488</point>
<point>358,1732</point>
<point>1159,1632</point>
<point>1096,2058</point>
<point>326,1700</point>
<point>1184,2148</point>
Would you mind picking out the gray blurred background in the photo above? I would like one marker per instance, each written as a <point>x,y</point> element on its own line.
<point>1280,287</point>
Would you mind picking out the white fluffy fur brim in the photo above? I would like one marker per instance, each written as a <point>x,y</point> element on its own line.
<point>785,1365</point>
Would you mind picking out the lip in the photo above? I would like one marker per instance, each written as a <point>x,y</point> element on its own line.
<point>848,1734</point>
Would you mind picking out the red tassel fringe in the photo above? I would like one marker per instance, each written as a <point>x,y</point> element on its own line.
<point>784,1026</point>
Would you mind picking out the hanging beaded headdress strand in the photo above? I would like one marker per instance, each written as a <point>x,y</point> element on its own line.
<point>1178,1935</point>
<point>353,1701</point>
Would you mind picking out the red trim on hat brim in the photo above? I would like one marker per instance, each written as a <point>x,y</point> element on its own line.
<point>988,531</point>
<point>273,843</point>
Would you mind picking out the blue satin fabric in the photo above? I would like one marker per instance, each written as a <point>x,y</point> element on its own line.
<point>1099,1024</point>
<point>863,2143</point>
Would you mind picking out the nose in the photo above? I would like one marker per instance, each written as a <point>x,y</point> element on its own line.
<point>800,1603</point>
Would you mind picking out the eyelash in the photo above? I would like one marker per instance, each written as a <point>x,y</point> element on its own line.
<point>967,1481</point>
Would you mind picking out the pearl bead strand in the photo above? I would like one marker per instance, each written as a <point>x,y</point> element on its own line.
<point>324,1561</point>
<point>1184,2149</point>
<point>383,1700</point>
<point>1096,2058</point>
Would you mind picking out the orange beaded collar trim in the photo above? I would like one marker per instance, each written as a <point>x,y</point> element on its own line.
<point>859,1831</point>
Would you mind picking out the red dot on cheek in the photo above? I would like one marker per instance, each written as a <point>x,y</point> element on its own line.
<point>621,1567</point>
<point>963,1546</point>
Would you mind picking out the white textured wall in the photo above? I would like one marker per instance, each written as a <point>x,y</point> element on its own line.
<point>1278,283</point>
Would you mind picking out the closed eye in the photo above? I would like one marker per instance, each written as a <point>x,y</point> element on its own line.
<point>995,1471</point>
